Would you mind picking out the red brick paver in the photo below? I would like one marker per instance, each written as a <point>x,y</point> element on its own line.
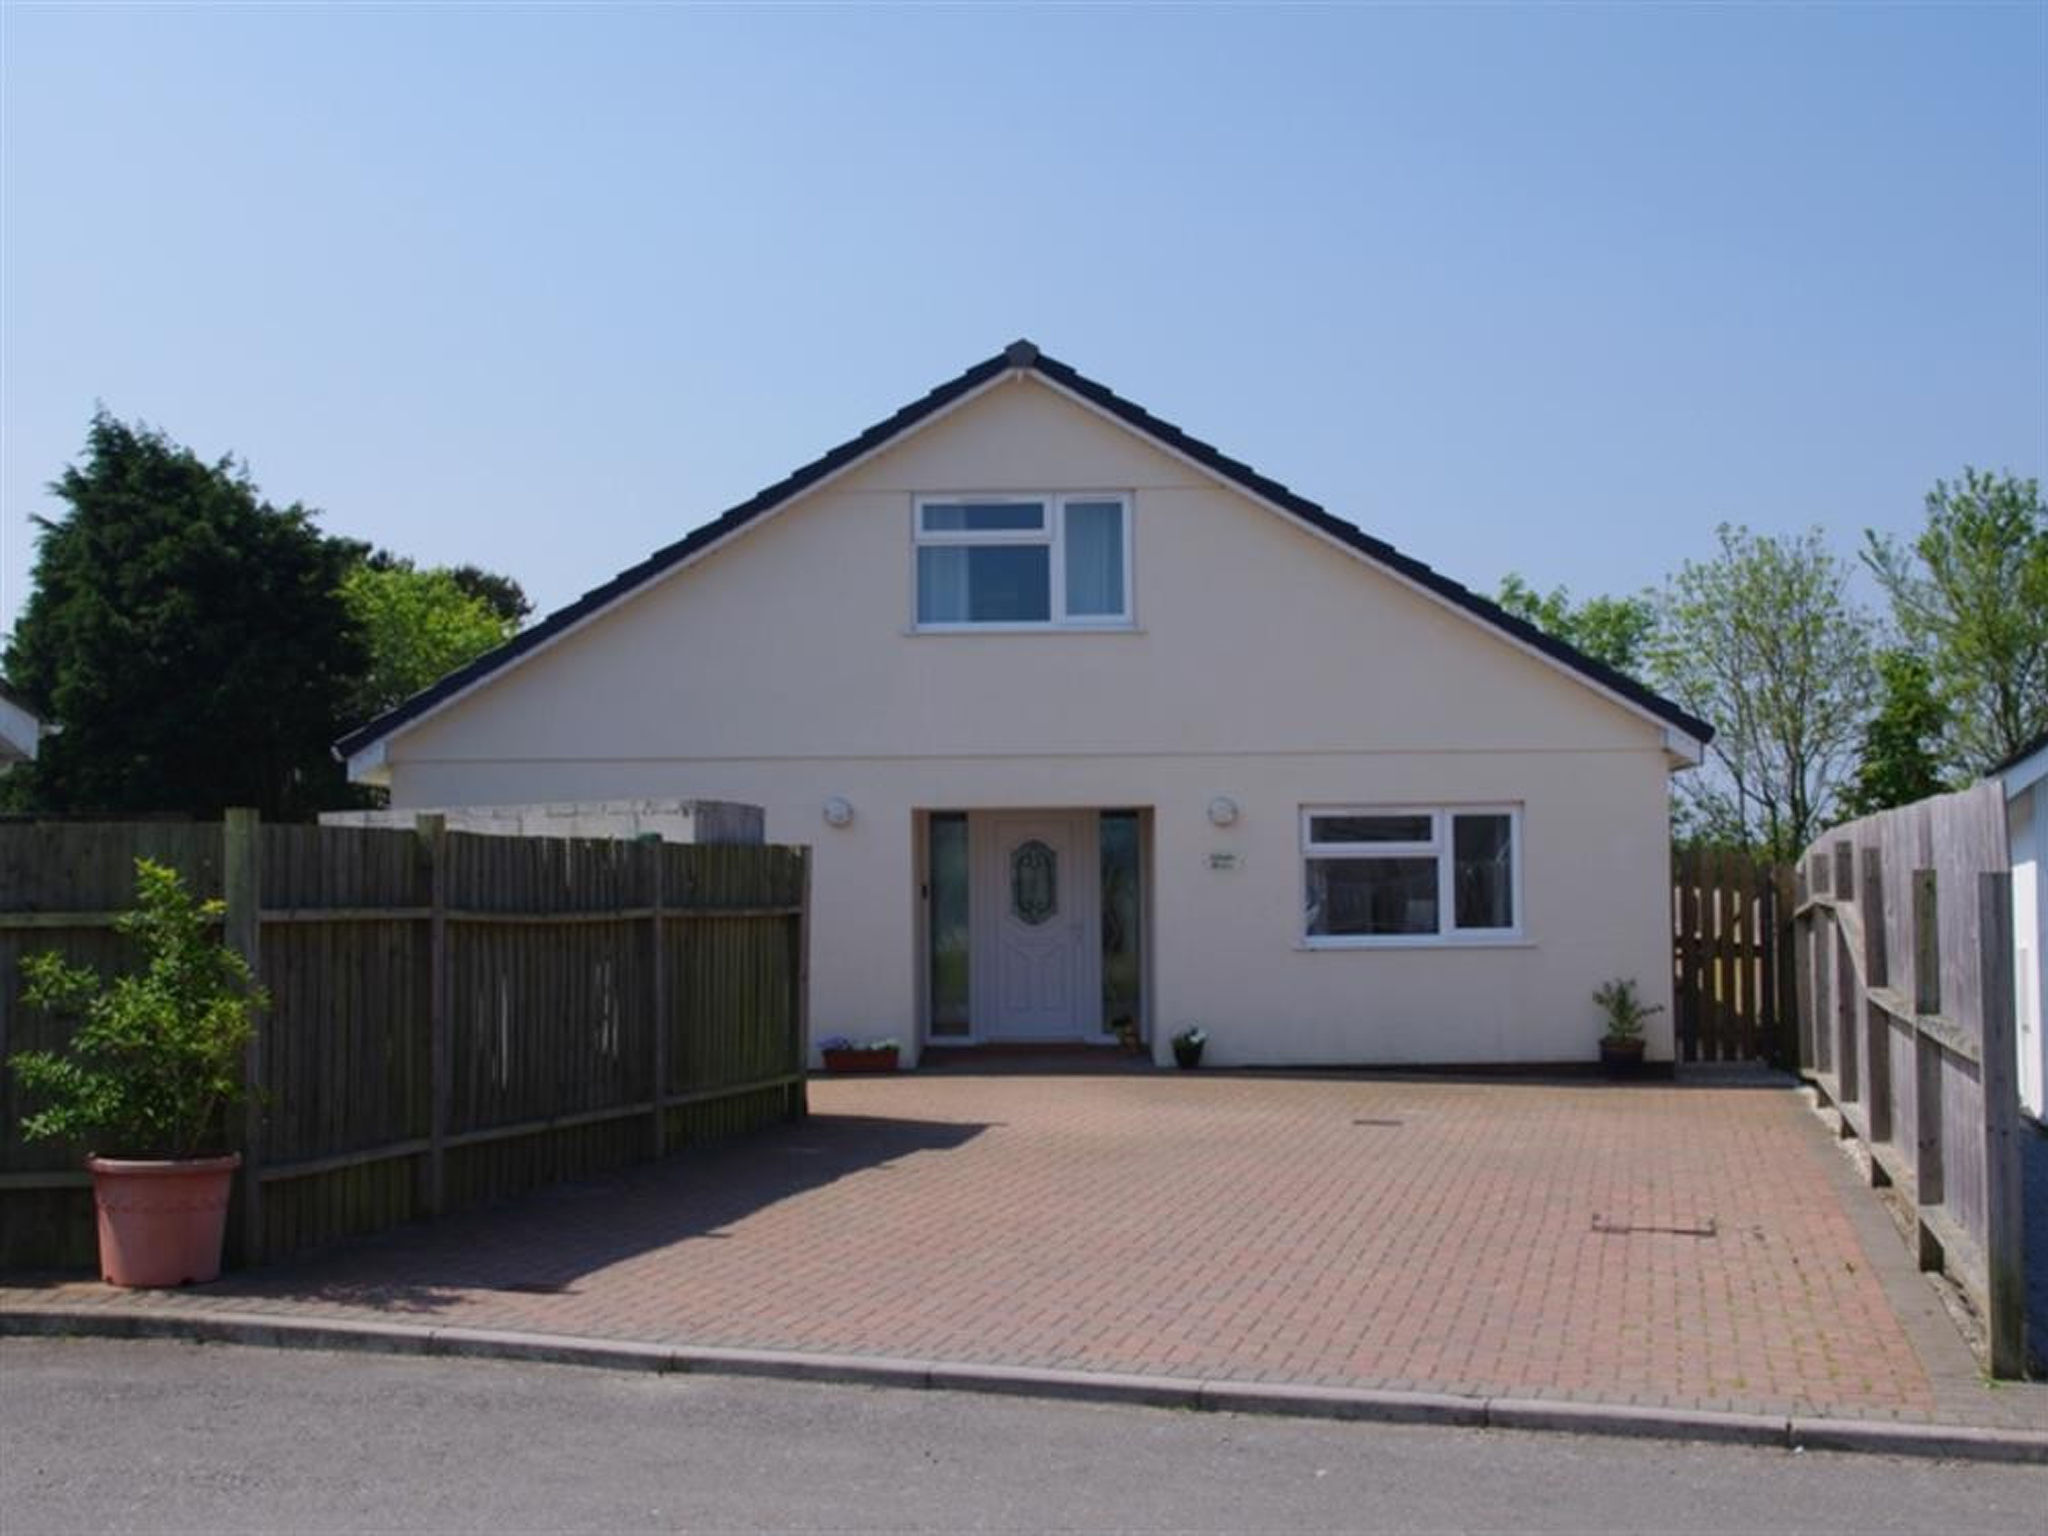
<point>1675,1246</point>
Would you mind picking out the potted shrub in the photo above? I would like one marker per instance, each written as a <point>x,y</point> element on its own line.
<point>842,1053</point>
<point>1125,1028</point>
<point>146,1083</point>
<point>1187,1047</point>
<point>1621,1048</point>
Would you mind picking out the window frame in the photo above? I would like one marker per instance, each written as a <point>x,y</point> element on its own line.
<point>1051,536</point>
<point>1440,846</point>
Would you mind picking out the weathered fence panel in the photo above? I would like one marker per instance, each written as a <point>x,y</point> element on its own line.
<point>454,1018</point>
<point>1904,953</point>
<point>1732,974</point>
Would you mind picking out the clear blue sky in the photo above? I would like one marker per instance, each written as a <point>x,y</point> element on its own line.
<point>1552,290</point>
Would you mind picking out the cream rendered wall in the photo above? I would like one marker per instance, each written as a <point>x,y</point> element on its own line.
<point>2027,839</point>
<point>1266,664</point>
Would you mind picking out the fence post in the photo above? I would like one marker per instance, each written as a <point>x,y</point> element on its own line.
<point>1926,943</point>
<point>242,890</point>
<point>1784,934</point>
<point>1820,949</point>
<point>2004,1224</point>
<point>802,1096</point>
<point>1685,995</point>
<point>652,860</point>
<point>1804,1059</point>
<point>1761,952</point>
<point>432,833</point>
<point>1930,1175</point>
<point>1849,1077</point>
<point>1877,1029</point>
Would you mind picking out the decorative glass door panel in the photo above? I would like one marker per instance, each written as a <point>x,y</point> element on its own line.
<point>1034,883</point>
<point>1123,922</point>
<point>946,892</point>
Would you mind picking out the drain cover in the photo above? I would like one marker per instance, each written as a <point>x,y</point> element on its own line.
<point>1704,1228</point>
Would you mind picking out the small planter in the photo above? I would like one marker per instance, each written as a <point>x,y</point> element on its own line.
<point>1622,1058</point>
<point>850,1063</point>
<point>1187,1055</point>
<point>161,1223</point>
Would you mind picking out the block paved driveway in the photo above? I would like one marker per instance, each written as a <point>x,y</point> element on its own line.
<point>1676,1245</point>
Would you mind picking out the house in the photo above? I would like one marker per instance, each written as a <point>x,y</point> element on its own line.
<point>20,730</point>
<point>2024,778</point>
<point>1087,721</point>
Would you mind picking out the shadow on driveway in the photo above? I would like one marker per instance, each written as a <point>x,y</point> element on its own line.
<point>544,1243</point>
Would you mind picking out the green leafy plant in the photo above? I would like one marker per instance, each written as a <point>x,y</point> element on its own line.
<point>156,1060</point>
<point>1624,1009</point>
<point>847,1043</point>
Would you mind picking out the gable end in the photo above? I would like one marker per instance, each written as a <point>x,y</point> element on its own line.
<point>1686,734</point>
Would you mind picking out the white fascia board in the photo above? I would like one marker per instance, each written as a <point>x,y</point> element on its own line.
<point>1692,749</point>
<point>370,765</point>
<point>1684,749</point>
<point>2024,774</point>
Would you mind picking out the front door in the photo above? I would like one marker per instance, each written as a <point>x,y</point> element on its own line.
<point>1037,905</point>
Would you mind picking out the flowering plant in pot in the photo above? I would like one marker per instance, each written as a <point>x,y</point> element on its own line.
<point>843,1053</point>
<point>145,1085</point>
<point>1187,1047</point>
<point>1621,1048</point>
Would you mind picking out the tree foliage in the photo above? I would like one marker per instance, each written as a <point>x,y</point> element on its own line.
<point>504,596</point>
<point>157,1055</point>
<point>1900,760</point>
<point>1970,594</point>
<point>187,637</point>
<point>197,647</point>
<point>419,625</point>
<point>1614,630</point>
<point>1763,641</point>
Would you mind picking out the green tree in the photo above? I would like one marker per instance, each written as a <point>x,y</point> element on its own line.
<point>1764,643</point>
<point>188,638</point>
<point>1614,630</point>
<point>1970,593</point>
<point>1901,754</point>
<point>419,626</point>
<point>507,599</point>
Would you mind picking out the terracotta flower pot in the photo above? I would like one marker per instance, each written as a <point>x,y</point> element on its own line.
<point>161,1223</point>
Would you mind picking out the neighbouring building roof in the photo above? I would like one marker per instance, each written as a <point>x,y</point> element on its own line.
<point>2024,767</point>
<point>20,729</point>
<point>1022,356</point>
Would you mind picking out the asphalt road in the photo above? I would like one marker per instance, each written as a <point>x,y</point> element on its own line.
<point>131,1436</point>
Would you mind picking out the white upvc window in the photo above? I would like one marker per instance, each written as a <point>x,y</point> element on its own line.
<point>1394,875</point>
<point>1022,562</point>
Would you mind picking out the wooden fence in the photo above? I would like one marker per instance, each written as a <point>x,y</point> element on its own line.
<point>1732,957</point>
<point>454,1018</point>
<point>1905,978</point>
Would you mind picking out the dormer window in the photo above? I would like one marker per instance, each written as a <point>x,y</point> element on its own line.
<point>1023,562</point>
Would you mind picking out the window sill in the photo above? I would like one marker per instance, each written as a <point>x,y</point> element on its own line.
<point>920,631</point>
<point>1418,941</point>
